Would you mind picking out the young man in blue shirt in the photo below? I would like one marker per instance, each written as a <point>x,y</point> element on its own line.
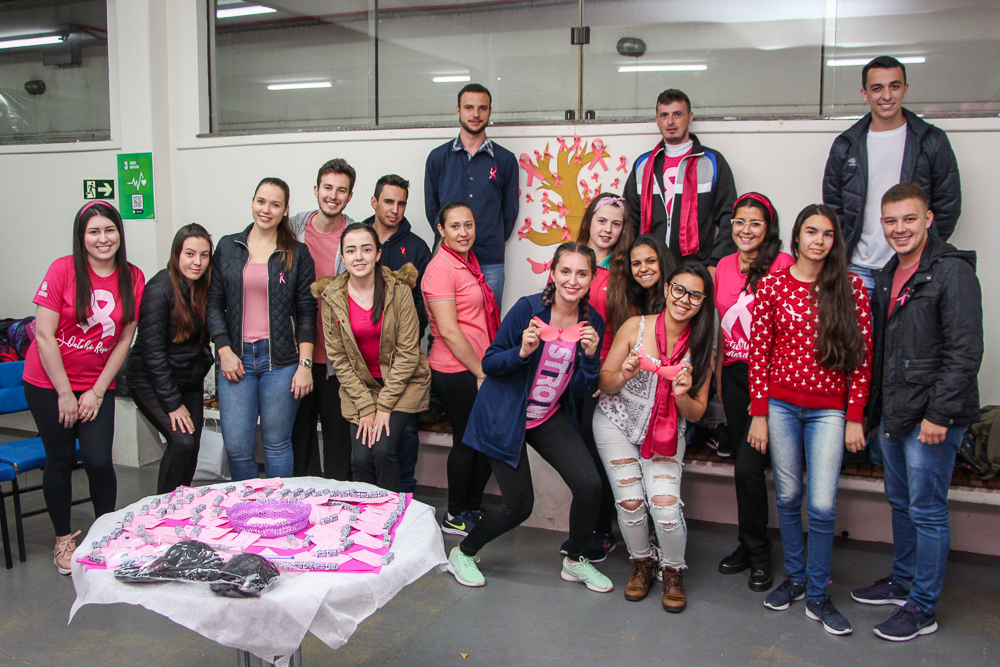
<point>475,170</point>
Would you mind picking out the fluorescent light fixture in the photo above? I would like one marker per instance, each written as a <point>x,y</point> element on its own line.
<point>249,10</point>
<point>853,62</point>
<point>662,68</point>
<point>452,78</point>
<point>31,41</point>
<point>300,86</point>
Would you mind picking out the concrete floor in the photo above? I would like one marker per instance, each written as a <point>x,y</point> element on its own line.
<point>526,615</point>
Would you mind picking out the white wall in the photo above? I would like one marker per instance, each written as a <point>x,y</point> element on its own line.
<point>210,180</point>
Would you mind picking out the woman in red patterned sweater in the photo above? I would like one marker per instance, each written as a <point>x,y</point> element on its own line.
<point>810,364</point>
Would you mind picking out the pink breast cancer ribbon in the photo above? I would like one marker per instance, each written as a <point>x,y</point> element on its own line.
<point>595,176</point>
<point>523,231</point>
<point>576,143</point>
<point>563,211</point>
<point>586,188</point>
<point>547,153</point>
<point>576,159</point>
<point>533,173</point>
<point>566,236</point>
<point>614,183</point>
<point>100,314</point>
<point>528,198</point>
<point>621,165</point>
<point>545,197</point>
<point>740,311</point>
<point>562,144</point>
<point>549,333</point>
<point>668,373</point>
<point>558,181</point>
<point>493,172</point>
<point>598,158</point>
<point>281,278</point>
<point>538,156</point>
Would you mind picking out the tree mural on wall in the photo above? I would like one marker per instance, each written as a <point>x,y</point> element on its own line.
<point>568,181</point>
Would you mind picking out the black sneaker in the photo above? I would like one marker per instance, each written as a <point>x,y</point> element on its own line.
<point>462,524</point>
<point>822,609</point>
<point>760,576</point>
<point>784,595</point>
<point>883,591</point>
<point>736,562</point>
<point>906,623</point>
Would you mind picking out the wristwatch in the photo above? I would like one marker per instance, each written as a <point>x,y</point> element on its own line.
<point>308,363</point>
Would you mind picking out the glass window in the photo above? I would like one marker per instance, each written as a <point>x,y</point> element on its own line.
<point>54,71</point>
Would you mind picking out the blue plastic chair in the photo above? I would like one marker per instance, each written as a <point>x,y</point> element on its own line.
<point>18,457</point>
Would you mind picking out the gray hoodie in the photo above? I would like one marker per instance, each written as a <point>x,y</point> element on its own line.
<point>299,221</point>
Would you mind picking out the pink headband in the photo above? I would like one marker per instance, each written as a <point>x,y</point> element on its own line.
<point>756,196</point>
<point>94,203</point>
<point>610,199</point>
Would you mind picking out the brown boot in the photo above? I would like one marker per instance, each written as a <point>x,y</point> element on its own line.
<point>641,580</point>
<point>673,590</point>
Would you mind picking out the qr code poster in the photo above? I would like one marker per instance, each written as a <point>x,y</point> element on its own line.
<point>135,186</point>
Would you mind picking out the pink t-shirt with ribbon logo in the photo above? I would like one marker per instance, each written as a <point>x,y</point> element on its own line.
<point>736,307</point>
<point>552,376</point>
<point>85,346</point>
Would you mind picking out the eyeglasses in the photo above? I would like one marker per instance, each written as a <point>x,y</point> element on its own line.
<point>678,291</point>
<point>755,225</point>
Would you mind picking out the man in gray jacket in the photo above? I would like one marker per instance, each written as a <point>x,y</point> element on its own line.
<point>321,230</point>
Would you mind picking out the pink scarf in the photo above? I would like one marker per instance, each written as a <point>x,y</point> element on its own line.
<point>688,231</point>
<point>489,301</point>
<point>661,435</point>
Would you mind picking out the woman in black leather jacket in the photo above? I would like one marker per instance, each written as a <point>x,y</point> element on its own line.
<point>171,355</point>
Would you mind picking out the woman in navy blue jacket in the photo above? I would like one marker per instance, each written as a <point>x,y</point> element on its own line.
<point>547,343</point>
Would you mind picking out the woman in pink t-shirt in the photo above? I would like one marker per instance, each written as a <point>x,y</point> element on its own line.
<point>373,343</point>
<point>464,317</point>
<point>758,237</point>
<point>86,319</point>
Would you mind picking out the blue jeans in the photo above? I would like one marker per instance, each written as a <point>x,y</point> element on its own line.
<point>815,437</point>
<point>916,483</point>
<point>406,455</point>
<point>494,278</point>
<point>873,445</point>
<point>264,392</point>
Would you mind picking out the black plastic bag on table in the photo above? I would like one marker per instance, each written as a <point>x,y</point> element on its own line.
<point>252,575</point>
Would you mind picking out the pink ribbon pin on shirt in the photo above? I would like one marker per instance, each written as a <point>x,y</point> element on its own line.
<point>493,172</point>
<point>281,278</point>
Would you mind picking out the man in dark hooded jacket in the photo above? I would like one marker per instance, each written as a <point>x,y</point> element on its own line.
<point>928,319</point>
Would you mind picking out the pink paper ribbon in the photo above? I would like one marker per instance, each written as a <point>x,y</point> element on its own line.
<point>528,198</point>
<point>576,143</point>
<point>621,165</point>
<point>533,173</point>
<point>598,158</point>
<point>558,181</point>
<point>562,144</point>
<point>614,183</point>
<point>539,267</point>
<point>586,188</point>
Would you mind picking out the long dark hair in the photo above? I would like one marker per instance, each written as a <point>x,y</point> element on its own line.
<point>701,340</point>
<point>286,238</point>
<point>196,304</point>
<point>640,300</point>
<point>378,300</point>
<point>770,246</point>
<point>616,305</point>
<point>81,263</point>
<point>840,346</point>
<point>549,293</point>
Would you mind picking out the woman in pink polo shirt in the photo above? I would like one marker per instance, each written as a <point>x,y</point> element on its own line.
<point>86,319</point>
<point>464,318</point>
<point>756,234</point>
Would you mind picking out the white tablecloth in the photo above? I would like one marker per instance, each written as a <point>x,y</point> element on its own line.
<point>330,605</point>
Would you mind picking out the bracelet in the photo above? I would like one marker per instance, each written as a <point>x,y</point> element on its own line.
<point>760,418</point>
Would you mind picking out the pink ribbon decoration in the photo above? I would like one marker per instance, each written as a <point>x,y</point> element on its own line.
<point>598,158</point>
<point>668,373</point>
<point>614,183</point>
<point>595,176</point>
<point>528,198</point>
<point>740,311</point>
<point>588,198</point>
<point>538,156</point>
<point>566,236</point>
<point>493,172</point>
<point>101,314</point>
<point>563,211</point>
<point>562,144</point>
<point>539,267</point>
<point>547,153</point>
<point>586,188</point>
<point>549,333</point>
<point>281,278</point>
<point>901,300</point>
<point>523,231</point>
<point>576,159</point>
<point>621,165</point>
<point>533,173</point>
<point>545,197</point>
<point>558,181</point>
<point>576,143</point>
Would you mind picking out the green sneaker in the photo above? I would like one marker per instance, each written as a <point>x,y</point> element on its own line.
<point>585,573</point>
<point>464,568</point>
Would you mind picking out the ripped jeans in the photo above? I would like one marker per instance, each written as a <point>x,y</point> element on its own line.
<point>644,488</point>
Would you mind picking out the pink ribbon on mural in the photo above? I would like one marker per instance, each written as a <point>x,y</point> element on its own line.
<point>545,197</point>
<point>576,159</point>
<point>598,158</point>
<point>523,231</point>
<point>562,144</point>
<point>547,153</point>
<point>566,236</point>
<point>576,143</point>
<point>595,176</point>
<point>558,181</point>
<point>621,165</point>
<point>562,211</point>
<point>538,156</point>
<point>533,173</point>
<point>586,188</point>
<point>614,183</point>
<point>528,198</point>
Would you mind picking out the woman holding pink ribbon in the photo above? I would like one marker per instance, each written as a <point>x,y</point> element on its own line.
<point>86,319</point>
<point>548,343</point>
<point>464,318</point>
<point>655,380</point>
<point>756,234</point>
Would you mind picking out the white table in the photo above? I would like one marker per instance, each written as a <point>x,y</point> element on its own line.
<point>272,627</point>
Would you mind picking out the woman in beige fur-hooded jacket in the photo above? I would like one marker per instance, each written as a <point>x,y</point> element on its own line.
<point>404,386</point>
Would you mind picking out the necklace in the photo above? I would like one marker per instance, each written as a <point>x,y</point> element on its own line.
<point>358,296</point>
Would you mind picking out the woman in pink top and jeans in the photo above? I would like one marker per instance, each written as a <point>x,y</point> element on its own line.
<point>756,233</point>
<point>464,317</point>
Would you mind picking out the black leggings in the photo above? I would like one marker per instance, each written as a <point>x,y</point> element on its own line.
<point>751,488</point>
<point>560,444</point>
<point>606,512</point>
<point>96,439</point>
<point>322,403</point>
<point>378,464</point>
<point>468,469</point>
<point>180,459</point>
